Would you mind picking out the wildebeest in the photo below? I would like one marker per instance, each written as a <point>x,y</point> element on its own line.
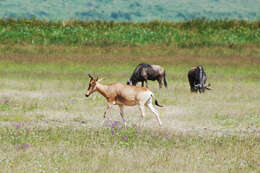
<point>144,72</point>
<point>197,79</point>
<point>124,95</point>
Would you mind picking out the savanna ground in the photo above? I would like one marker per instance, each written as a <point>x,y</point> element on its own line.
<point>47,125</point>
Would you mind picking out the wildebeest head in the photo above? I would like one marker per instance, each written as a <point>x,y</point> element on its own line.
<point>131,82</point>
<point>137,74</point>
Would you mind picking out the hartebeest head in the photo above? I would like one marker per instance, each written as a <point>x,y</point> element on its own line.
<point>92,85</point>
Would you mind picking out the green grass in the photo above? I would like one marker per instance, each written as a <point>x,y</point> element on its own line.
<point>48,125</point>
<point>191,34</point>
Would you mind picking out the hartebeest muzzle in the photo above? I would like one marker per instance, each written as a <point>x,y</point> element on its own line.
<point>88,93</point>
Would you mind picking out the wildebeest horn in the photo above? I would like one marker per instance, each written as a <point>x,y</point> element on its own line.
<point>208,88</point>
<point>90,76</point>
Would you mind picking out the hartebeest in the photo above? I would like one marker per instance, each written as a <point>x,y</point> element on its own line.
<point>124,95</point>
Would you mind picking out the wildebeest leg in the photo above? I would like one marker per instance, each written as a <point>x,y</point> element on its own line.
<point>141,107</point>
<point>192,85</point>
<point>145,77</point>
<point>146,83</point>
<point>149,104</point>
<point>122,114</point>
<point>142,83</point>
<point>160,82</point>
<point>109,106</point>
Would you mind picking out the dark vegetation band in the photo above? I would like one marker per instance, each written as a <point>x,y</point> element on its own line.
<point>189,34</point>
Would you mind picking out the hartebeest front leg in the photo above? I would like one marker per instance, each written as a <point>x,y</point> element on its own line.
<point>122,114</point>
<point>109,106</point>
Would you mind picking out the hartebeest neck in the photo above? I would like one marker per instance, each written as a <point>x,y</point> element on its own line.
<point>103,89</point>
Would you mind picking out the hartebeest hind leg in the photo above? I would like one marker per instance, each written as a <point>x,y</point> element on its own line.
<point>149,104</point>
<point>122,114</point>
<point>141,107</point>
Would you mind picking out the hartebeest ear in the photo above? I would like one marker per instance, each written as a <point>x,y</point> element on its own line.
<point>91,77</point>
<point>100,79</point>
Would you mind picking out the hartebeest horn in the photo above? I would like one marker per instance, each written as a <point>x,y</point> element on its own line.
<point>90,76</point>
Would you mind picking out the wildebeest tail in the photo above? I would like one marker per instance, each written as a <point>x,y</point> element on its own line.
<point>156,102</point>
<point>164,80</point>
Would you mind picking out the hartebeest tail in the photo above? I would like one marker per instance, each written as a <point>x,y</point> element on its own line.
<point>124,95</point>
<point>156,102</point>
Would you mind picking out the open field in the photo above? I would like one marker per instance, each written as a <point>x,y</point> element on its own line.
<point>47,125</point>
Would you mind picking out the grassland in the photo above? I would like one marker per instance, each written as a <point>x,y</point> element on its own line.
<point>191,34</point>
<point>47,125</point>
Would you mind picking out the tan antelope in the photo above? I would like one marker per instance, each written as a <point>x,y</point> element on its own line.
<point>124,95</point>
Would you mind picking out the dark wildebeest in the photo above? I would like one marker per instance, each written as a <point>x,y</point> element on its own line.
<point>197,79</point>
<point>144,72</point>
